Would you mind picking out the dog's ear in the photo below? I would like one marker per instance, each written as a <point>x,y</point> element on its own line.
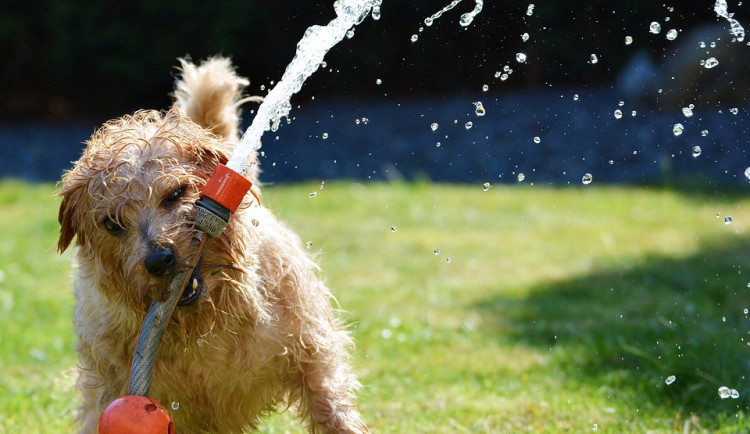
<point>68,216</point>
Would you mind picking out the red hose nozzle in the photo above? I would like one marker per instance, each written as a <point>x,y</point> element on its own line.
<point>221,196</point>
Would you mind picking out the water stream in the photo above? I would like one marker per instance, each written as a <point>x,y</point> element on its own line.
<point>311,49</point>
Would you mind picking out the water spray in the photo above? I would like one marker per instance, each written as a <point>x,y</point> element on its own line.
<point>222,195</point>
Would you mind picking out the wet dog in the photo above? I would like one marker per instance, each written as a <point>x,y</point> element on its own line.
<point>254,332</point>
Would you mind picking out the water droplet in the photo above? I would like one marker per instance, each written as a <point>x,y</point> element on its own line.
<point>596,426</point>
<point>747,173</point>
<point>324,136</point>
<point>255,222</point>
<point>618,114</point>
<point>671,379</point>
<point>414,37</point>
<point>436,251</point>
<point>724,392</point>
<point>587,178</point>
<point>479,108</point>
<point>672,34</point>
<point>734,110</point>
<point>628,40</point>
<point>745,311</point>
<point>704,133</point>
<point>376,13</point>
<point>633,113</point>
<point>434,126</point>
<point>386,333</point>
<point>313,194</point>
<point>503,77</point>
<point>621,103</point>
<point>525,37</point>
<point>201,343</point>
<point>175,405</point>
<point>349,34</point>
<point>378,82</point>
<point>575,97</point>
<point>696,151</point>
<point>466,19</point>
<point>394,229</point>
<point>448,260</point>
<point>521,177</point>
<point>428,21</point>
<point>520,57</point>
<point>486,186</point>
<point>537,139</point>
<point>710,63</point>
<point>687,112</point>
<point>468,125</point>
<point>654,27</point>
<point>728,220</point>
<point>530,10</point>
<point>308,244</point>
<point>485,88</point>
<point>593,59</point>
<point>734,394</point>
<point>677,129</point>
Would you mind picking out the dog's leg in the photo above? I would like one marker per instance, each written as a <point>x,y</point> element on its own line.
<point>95,398</point>
<point>88,415</point>
<point>329,389</point>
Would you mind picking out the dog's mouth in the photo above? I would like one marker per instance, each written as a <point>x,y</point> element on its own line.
<point>196,287</point>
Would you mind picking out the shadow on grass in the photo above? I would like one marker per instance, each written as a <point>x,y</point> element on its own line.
<point>630,328</point>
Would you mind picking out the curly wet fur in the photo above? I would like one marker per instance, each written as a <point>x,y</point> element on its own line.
<point>262,337</point>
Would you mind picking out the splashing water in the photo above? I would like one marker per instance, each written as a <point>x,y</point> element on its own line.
<point>466,18</point>
<point>736,28</point>
<point>311,49</point>
<point>709,63</point>
<point>677,129</point>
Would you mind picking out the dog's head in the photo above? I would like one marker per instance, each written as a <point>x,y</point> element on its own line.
<point>129,202</point>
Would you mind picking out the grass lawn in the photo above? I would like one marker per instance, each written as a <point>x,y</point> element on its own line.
<point>544,309</point>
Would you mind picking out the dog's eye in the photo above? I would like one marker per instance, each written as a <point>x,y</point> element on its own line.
<point>112,226</point>
<point>175,195</point>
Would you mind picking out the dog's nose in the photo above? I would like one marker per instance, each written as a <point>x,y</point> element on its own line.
<point>161,261</point>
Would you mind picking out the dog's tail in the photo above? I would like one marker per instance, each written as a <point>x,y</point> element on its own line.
<point>211,95</point>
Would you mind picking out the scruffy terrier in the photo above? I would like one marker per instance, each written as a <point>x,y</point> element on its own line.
<point>254,332</point>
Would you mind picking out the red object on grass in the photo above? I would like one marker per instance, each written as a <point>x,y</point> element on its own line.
<point>227,187</point>
<point>135,414</point>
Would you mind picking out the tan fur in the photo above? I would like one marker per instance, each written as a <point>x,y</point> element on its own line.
<point>263,336</point>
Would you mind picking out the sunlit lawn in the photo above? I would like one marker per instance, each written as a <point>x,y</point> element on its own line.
<point>544,309</point>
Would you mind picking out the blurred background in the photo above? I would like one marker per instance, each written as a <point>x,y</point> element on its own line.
<point>69,65</point>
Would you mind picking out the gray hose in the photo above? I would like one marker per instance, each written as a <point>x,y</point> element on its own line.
<point>154,326</point>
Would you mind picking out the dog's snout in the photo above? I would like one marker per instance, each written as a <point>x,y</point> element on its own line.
<point>161,261</point>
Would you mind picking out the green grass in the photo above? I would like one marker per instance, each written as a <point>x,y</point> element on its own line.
<point>559,309</point>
